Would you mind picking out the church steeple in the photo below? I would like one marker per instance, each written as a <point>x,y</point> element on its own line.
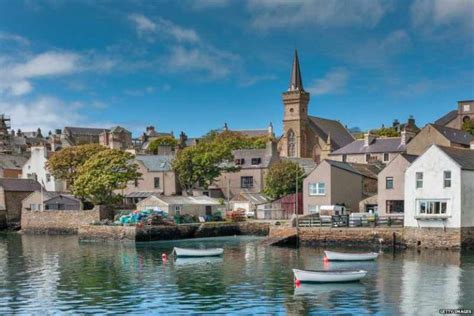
<point>296,84</point>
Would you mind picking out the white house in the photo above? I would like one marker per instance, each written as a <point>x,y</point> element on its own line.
<point>439,197</point>
<point>35,168</point>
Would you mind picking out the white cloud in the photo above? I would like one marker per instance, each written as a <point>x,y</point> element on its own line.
<point>20,87</point>
<point>14,38</point>
<point>442,11</point>
<point>46,64</point>
<point>163,27</point>
<point>208,60</point>
<point>333,82</point>
<point>45,112</point>
<point>268,14</point>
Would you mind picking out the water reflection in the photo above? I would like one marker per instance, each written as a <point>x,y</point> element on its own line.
<point>41,274</point>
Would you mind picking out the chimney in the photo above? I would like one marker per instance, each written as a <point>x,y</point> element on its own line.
<point>368,139</point>
<point>403,140</point>
<point>411,121</point>
<point>270,130</point>
<point>472,144</point>
<point>225,128</point>
<point>395,123</point>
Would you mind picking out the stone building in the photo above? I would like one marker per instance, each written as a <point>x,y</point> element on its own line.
<point>439,135</point>
<point>116,138</point>
<point>51,201</point>
<point>73,136</point>
<point>253,166</point>
<point>12,192</point>
<point>338,183</point>
<point>306,136</point>
<point>157,177</point>
<point>11,165</point>
<point>456,118</point>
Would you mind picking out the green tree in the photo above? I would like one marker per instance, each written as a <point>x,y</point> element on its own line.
<point>386,132</point>
<point>468,126</point>
<point>103,173</point>
<point>64,164</point>
<point>162,141</point>
<point>281,179</point>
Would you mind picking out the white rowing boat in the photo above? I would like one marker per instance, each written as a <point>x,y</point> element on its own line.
<point>186,252</point>
<point>346,256</point>
<point>324,276</point>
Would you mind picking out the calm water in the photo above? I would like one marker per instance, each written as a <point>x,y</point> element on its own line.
<point>41,274</point>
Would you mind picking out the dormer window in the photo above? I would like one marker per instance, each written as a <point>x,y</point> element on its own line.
<point>256,161</point>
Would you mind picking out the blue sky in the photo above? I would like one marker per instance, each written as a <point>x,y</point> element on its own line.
<point>193,65</point>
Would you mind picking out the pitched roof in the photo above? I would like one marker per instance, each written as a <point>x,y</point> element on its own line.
<point>307,164</point>
<point>463,157</point>
<point>255,198</point>
<point>454,135</point>
<point>156,162</point>
<point>19,185</point>
<point>296,84</point>
<point>340,136</point>
<point>379,145</point>
<point>48,195</point>
<point>448,117</point>
<point>139,194</point>
<point>85,130</point>
<point>409,158</point>
<point>366,170</point>
<point>12,161</point>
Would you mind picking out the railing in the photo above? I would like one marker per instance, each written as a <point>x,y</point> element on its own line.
<point>315,220</point>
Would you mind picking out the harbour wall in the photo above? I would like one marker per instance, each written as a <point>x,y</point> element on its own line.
<point>156,233</point>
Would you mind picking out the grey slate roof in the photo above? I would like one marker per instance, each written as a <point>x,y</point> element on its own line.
<point>19,185</point>
<point>84,130</point>
<point>409,158</point>
<point>307,164</point>
<point>156,162</point>
<point>139,194</point>
<point>369,171</point>
<point>464,157</point>
<point>448,117</point>
<point>48,195</point>
<point>12,161</point>
<point>378,145</point>
<point>340,136</point>
<point>188,200</point>
<point>454,135</point>
<point>255,198</point>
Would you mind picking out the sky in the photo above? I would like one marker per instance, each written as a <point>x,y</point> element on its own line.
<point>194,65</point>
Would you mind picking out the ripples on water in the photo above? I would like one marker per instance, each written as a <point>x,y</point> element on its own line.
<point>48,274</point>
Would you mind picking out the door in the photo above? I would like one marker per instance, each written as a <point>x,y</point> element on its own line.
<point>208,210</point>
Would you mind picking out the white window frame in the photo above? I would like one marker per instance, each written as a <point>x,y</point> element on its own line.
<point>430,208</point>
<point>445,179</point>
<point>317,189</point>
<point>418,180</point>
<point>466,107</point>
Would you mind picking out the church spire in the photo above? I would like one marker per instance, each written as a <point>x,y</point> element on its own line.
<point>296,84</point>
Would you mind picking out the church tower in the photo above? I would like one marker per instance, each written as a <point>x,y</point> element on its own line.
<point>295,118</point>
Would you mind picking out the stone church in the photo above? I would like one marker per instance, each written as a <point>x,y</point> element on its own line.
<point>306,136</point>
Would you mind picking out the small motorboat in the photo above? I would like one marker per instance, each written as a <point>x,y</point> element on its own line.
<point>186,252</point>
<point>325,276</point>
<point>346,256</point>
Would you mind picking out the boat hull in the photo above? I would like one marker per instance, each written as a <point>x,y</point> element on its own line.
<point>185,252</point>
<point>329,276</point>
<point>342,256</point>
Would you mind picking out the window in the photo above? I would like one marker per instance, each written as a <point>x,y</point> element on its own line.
<point>395,206</point>
<point>48,177</point>
<point>318,188</point>
<point>239,161</point>
<point>246,182</point>
<point>256,161</point>
<point>389,183</point>
<point>466,108</point>
<point>367,157</point>
<point>432,207</point>
<point>386,157</point>
<point>344,158</point>
<point>447,179</point>
<point>419,180</point>
<point>313,209</point>
<point>157,183</point>
<point>291,143</point>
